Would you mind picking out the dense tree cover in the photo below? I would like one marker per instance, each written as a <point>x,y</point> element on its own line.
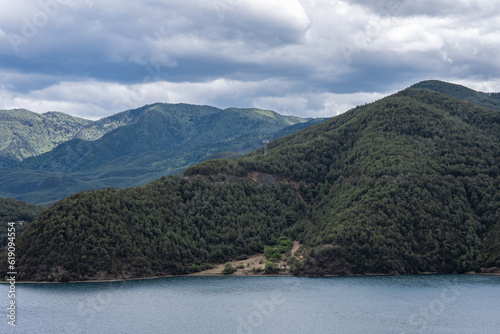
<point>407,184</point>
<point>167,227</point>
<point>274,253</point>
<point>12,210</point>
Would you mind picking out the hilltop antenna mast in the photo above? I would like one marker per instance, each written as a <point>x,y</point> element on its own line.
<point>265,146</point>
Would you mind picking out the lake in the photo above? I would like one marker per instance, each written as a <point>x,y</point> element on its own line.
<point>372,304</point>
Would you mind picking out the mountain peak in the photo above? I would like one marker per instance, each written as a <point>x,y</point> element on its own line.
<point>137,146</point>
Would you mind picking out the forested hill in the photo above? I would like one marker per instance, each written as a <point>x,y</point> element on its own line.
<point>407,184</point>
<point>16,211</point>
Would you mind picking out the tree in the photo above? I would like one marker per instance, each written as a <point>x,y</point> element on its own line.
<point>228,269</point>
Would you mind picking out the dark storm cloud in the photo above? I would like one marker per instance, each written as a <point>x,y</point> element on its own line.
<point>308,57</point>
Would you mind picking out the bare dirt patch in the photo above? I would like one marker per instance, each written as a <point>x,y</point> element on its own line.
<point>255,261</point>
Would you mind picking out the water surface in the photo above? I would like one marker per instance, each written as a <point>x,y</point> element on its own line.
<point>374,304</point>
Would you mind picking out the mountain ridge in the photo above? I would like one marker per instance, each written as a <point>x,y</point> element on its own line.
<point>24,133</point>
<point>407,184</point>
<point>137,146</point>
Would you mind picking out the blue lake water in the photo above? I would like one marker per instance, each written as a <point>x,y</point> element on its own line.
<point>375,304</point>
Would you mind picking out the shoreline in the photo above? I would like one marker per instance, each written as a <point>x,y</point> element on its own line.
<point>199,274</point>
<point>254,266</point>
<point>153,277</point>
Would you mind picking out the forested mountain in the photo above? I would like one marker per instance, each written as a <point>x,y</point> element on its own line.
<point>137,146</point>
<point>99,128</point>
<point>166,227</point>
<point>166,130</point>
<point>407,184</point>
<point>25,134</point>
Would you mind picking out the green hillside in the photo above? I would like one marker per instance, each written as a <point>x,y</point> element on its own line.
<point>171,226</point>
<point>404,185</point>
<point>138,146</point>
<point>99,128</point>
<point>25,134</point>
<point>14,211</point>
<point>167,130</point>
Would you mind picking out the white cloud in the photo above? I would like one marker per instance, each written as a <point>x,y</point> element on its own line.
<point>479,84</point>
<point>108,99</point>
<point>316,105</point>
<point>288,16</point>
<point>410,36</point>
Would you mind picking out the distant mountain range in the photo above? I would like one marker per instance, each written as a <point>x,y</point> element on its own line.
<point>47,157</point>
<point>404,185</point>
<point>24,134</point>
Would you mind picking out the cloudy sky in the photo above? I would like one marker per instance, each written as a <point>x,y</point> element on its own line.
<point>311,58</point>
